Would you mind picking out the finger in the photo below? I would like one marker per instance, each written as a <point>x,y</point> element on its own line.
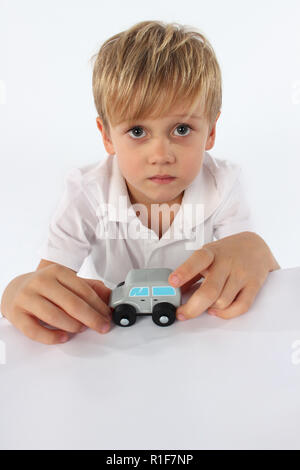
<point>241,304</point>
<point>29,325</point>
<point>206,294</point>
<point>78,308</point>
<point>192,267</point>
<point>100,288</point>
<point>82,289</point>
<point>185,287</point>
<point>51,314</point>
<point>230,290</point>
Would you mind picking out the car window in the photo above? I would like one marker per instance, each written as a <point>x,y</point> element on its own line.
<point>163,290</point>
<point>139,291</point>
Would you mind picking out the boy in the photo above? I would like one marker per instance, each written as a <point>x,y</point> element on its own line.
<point>157,91</point>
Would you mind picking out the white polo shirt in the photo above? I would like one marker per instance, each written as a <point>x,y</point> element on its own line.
<point>95,229</point>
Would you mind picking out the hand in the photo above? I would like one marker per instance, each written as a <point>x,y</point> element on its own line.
<point>234,269</point>
<point>58,297</point>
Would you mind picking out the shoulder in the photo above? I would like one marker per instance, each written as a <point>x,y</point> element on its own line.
<point>232,213</point>
<point>224,174</point>
<point>85,175</point>
<point>91,181</point>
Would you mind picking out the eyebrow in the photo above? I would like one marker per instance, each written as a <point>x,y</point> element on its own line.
<point>132,121</point>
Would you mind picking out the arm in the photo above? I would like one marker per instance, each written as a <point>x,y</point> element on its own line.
<point>14,285</point>
<point>73,225</point>
<point>44,263</point>
<point>55,295</point>
<point>234,268</point>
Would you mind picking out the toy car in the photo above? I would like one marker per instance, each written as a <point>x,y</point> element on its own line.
<point>145,291</point>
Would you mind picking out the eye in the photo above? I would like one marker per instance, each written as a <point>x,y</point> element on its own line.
<point>182,126</point>
<point>137,134</point>
<point>133,129</point>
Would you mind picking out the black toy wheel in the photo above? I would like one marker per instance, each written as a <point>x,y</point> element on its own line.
<point>124,315</point>
<point>164,314</point>
<point>121,284</point>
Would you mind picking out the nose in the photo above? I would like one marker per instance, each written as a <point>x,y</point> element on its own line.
<point>160,152</point>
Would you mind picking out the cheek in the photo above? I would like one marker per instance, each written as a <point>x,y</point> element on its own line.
<point>191,165</point>
<point>130,167</point>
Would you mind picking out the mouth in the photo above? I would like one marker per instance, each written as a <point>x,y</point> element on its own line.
<point>162,179</point>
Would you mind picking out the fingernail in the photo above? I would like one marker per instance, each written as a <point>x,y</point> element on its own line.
<point>180,316</point>
<point>105,327</point>
<point>175,279</point>
<point>63,338</point>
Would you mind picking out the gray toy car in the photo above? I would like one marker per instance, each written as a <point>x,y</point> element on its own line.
<point>145,291</point>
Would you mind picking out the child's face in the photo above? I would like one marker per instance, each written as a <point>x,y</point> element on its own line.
<point>172,145</point>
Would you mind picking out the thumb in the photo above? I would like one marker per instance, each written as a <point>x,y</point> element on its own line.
<point>100,288</point>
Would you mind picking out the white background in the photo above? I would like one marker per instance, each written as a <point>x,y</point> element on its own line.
<point>48,118</point>
<point>206,383</point>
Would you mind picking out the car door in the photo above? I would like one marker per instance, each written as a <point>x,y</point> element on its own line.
<point>163,294</point>
<point>140,295</point>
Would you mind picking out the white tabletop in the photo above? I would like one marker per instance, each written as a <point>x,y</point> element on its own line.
<point>205,383</point>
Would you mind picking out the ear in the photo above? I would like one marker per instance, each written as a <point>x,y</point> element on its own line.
<point>212,136</point>
<point>107,142</point>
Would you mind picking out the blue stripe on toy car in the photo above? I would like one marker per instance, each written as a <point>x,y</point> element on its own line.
<point>139,291</point>
<point>163,290</point>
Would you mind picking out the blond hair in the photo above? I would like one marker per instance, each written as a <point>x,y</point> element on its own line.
<point>144,71</point>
